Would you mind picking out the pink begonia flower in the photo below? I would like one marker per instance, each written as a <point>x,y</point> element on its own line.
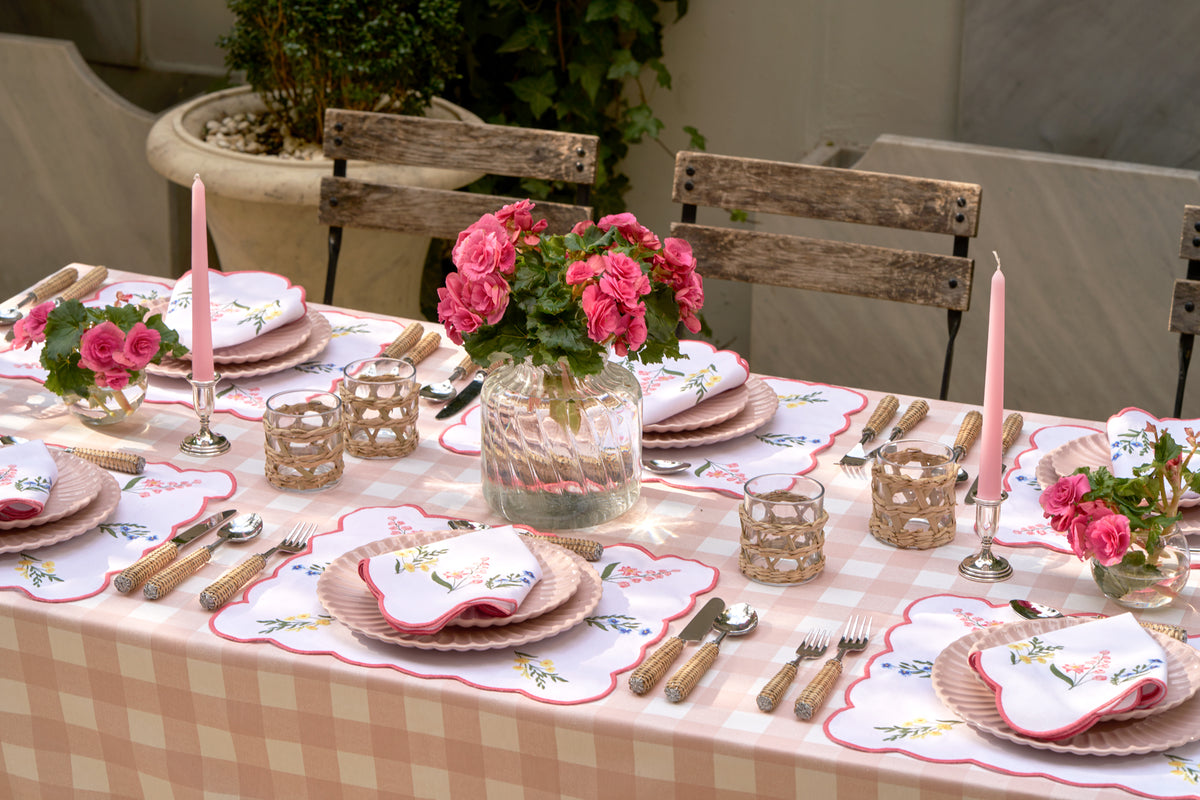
<point>634,335</point>
<point>141,345</point>
<point>631,229</point>
<point>690,298</point>
<point>486,297</point>
<point>452,312</point>
<point>623,280</point>
<point>484,248</point>
<point>32,327</point>
<point>99,345</point>
<point>1059,500</point>
<point>582,226</point>
<point>1076,522</point>
<point>116,378</point>
<point>517,218</point>
<point>584,271</point>
<point>1108,538</point>
<point>603,316</point>
<point>676,256</point>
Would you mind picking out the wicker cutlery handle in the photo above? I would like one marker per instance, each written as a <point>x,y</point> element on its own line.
<point>231,580</point>
<point>1011,429</point>
<point>915,412</point>
<point>773,692</point>
<point>54,284</point>
<point>157,587</point>
<point>404,342</point>
<point>1174,631</point>
<point>117,460</point>
<point>818,689</point>
<point>968,432</point>
<point>462,367</point>
<point>685,679</point>
<point>650,671</point>
<point>590,550</point>
<point>136,573</point>
<point>423,348</point>
<point>89,283</point>
<point>883,415</point>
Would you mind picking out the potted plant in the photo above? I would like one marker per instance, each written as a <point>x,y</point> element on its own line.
<point>299,58</point>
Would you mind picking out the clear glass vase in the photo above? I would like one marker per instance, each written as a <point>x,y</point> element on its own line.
<point>560,450</point>
<point>1153,584</point>
<point>108,406</point>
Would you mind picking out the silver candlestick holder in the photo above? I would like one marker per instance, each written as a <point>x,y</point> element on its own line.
<point>985,566</point>
<point>205,442</point>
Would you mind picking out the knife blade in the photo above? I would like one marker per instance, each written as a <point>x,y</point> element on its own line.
<point>136,573</point>
<point>648,673</point>
<point>12,309</point>
<point>468,393</point>
<point>1009,431</point>
<point>883,414</point>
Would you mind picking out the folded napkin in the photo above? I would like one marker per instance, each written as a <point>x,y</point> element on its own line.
<point>27,472</point>
<point>424,588</point>
<point>1059,684</point>
<point>244,305</point>
<point>677,384</point>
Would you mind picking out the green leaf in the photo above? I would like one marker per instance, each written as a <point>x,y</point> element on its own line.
<point>537,91</point>
<point>132,483</point>
<point>662,74</point>
<point>440,581</point>
<point>608,570</point>
<point>623,65</point>
<point>640,121</point>
<point>1056,672</point>
<point>696,140</point>
<point>588,76</point>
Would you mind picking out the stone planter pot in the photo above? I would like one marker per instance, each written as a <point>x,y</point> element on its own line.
<point>262,211</point>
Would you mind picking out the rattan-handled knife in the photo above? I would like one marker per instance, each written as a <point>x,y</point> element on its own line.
<point>915,412</point>
<point>136,573</point>
<point>1009,432</point>
<point>968,432</point>
<point>888,405</point>
<point>650,671</point>
<point>423,348</point>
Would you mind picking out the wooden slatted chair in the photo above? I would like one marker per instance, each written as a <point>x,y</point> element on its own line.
<point>1185,300</point>
<point>447,144</point>
<point>833,194</point>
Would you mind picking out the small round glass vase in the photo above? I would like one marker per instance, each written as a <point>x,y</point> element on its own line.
<point>101,407</point>
<point>1148,586</point>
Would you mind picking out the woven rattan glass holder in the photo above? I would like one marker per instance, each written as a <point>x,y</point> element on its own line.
<point>303,432</point>
<point>379,408</point>
<point>912,494</point>
<point>783,529</point>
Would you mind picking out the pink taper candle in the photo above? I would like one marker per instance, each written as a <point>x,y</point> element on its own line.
<point>202,351</point>
<point>991,451</point>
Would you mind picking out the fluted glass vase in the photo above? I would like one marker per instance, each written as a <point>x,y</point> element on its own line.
<point>561,450</point>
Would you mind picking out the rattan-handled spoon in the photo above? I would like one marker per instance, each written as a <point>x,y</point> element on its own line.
<point>737,620</point>
<point>243,528</point>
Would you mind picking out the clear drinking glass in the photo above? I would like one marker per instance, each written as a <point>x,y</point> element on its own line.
<point>783,529</point>
<point>303,430</point>
<point>912,494</point>
<point>379,407</point>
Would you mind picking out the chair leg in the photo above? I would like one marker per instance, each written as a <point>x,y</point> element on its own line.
<point>335,249</point>
<point>1185,358</point>
<point>953,323</point>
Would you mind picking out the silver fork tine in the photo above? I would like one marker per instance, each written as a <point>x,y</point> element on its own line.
<point>217,593</point>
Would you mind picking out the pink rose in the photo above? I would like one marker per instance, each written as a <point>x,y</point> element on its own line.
<point>623,280</point>
<point>1076,522</point>
<point>518,219</point>
<point>452,312</point>
<point>484,248</point>
<point>676,256</point>
<point>115,378</point>
<point>603,316</point>
<point>98,347</point>
<point>1108,538</point>
<point>633,231</point>
<point>141,346</point>
<point>32,327</point>
<point>690,298</point>
<point>584,271</point>
<point>1059,500</point>
<point>486,297</point>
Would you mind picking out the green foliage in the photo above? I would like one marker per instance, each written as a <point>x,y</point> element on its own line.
<point>304,56</point>
<point>570,65</point>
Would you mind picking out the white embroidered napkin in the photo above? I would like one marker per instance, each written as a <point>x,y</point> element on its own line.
<point>27,473</point>
<point>677,384</point>
<point>422,589</point>
<point>1059,684</point>
<point>244,305</point>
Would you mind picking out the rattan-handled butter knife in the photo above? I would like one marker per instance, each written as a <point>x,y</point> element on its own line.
<point>423,349</point>
<point>888,405</point>
<point>1009,432</point>
<point>650,671</point>
<point>136,573</point>
<point>915,412</point>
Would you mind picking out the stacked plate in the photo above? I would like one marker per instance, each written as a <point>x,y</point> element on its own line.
<point>273,351</point>
<point>725,416</point>
<point>82,496</point>
<point>1173,722</point>
<point>568,591</point>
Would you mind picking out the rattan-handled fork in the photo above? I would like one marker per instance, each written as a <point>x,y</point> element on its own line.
<point>814,646</point>
<point>405,341</point>
<point>234,578</point>
<point>855,637</point>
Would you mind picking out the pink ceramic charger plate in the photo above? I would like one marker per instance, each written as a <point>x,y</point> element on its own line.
<point>713,411</point>
<point>345,596</point>
<point>321,333</point>
<point>1174,722</point>
<point>77,484</point>
<point>272,343</point>
<point>760,407</point>
<point>68,527</point>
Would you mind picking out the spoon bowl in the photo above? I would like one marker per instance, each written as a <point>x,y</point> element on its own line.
<point>736,620</point>
<point>665,466</point>
<point>442,392</point>
<point>241,528</point>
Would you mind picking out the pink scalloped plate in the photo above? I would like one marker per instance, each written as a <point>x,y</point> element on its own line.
<point>268,345</point>
<point>760,407</point>
<point>321,333</point>
<point>1175,722</point>
<point>713,411</point>
<point>77,484</point>
<point>345,596</point>
<point>68,527</point>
